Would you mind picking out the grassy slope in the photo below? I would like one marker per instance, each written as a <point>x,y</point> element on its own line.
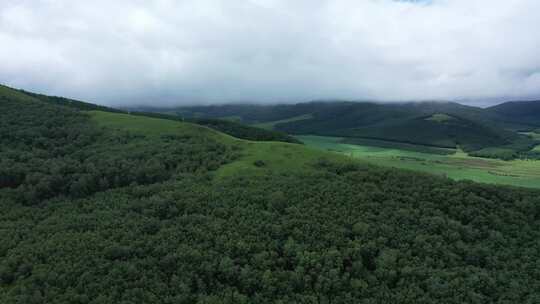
<point>21,95</point>
<point>397,145</point>
<point>199,237</point>
<point>14,94</point>
<point>277,156</point>
<point>153,126</point>
<point>228,127</point>
<point>283,157</point>
<point>440,117</point>
<point>270,125</point>
<point>534,135</point>
<point>458,166</point>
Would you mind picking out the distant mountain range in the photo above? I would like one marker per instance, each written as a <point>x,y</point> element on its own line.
<point>493,131</point>
<point>503,131</point>
<point>524,115</point>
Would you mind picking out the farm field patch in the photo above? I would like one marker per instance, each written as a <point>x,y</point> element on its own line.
<point>458,166</point>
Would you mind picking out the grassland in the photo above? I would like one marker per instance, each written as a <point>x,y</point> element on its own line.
<point>397,145</point>
<point>283,157</point>
<point>277,156</point>
<point>440,117</point>
<point>270,125</point>
<point>153,126</point>
<point>534,135</point>
<point>14,94</point>
<point>458,166</point>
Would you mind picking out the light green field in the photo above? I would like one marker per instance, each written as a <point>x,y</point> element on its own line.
<point>458,166</point>
<point>153,126</point>
<point>270,125</point>
<point>440,117</point>
<point>277,156</point>
<point>15,95</point>
<point>284,157</point>
<point>533,135</point>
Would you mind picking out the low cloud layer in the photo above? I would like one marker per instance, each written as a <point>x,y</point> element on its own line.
<point>213,51</point>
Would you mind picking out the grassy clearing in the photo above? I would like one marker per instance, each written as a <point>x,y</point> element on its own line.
<point>534,135</point>
<point>284,157</point>
<point>398,146</point>
<point>458,166</point>
<point>14,94</point>
<point>270,125</point>
<point>277,156</point>
<point>440,117</point>
<point>154,126</point>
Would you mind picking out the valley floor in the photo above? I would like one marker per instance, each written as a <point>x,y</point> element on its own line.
<point>458,166</point>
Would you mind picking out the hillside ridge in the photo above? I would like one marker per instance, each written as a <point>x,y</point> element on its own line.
<point>474,129</point>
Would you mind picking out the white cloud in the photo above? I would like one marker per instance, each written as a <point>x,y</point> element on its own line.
<point>171,52</point>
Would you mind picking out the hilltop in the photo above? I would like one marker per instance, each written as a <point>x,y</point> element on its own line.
<point>484,132</point>
<point>520,115</point>
<point>225,126</point>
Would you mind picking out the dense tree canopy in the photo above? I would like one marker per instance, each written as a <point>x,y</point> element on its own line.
<point>94,215</point>
<point>484,132</point>
<point>50,150</point>
<point>245,132</point>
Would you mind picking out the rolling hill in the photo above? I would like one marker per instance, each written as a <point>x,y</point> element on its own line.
<point>521,115</point>
<point>438,124</point>
<point>229,127</point>
<point>108,207</point>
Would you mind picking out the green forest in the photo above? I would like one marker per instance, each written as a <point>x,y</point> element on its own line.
<point>98,206</point>
<point>494,132</point>
<point>229,127</point>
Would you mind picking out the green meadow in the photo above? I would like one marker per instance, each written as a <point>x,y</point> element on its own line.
<point>534,135</point>
<point>152,126</point>
<point>270,125</point>
<point>282,157</point>
<point>458,166</point>
<point>276,156</point>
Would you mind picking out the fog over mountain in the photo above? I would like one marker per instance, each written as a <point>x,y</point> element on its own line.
<point>164,52</point>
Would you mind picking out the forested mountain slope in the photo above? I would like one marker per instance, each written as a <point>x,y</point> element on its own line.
<point>440,124</point>
<point>229,127</point>
<point>524,114</point>
<point>67,102</point>
<point>101,207</point>
<point>49,151</point>
<point>232,128</point>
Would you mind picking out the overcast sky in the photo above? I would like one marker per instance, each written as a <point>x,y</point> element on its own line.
<point>126,52</point>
